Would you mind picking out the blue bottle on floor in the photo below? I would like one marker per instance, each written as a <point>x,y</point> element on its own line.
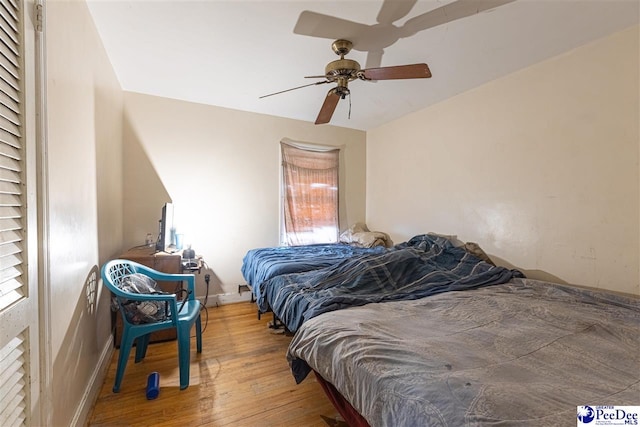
<point>153,385</point>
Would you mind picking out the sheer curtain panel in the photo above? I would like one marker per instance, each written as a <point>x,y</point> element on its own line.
<point>310,194</point>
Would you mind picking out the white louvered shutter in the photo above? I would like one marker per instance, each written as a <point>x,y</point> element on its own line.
<point>18,292</point>
<point>11,202</point>
<point>14,383</point>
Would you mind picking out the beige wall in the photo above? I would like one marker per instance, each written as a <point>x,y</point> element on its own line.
<point>220,168</point>
<point>83,205</point>
<point>540,168</point>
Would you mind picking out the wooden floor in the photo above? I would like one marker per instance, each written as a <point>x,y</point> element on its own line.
<point>241,379</point>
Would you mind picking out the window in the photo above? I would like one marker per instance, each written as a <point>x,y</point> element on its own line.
<point>309,193</point>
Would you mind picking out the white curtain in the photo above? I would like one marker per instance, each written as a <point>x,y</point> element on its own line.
<point>310,193</point>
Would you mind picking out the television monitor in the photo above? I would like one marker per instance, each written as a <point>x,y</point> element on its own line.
<point>166,224</point>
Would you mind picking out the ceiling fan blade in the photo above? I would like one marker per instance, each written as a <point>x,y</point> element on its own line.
<point>413,71</point>
<point>448,13</point>
<point>294,88</point>
<point>328,27</point>
<point>328,107</point>
<point>392,10</point>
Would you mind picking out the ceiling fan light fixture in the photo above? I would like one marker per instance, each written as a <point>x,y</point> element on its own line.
<point>342,91</point>
<point>342,67</point>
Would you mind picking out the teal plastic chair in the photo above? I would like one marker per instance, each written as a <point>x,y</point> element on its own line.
<point>182,315</point>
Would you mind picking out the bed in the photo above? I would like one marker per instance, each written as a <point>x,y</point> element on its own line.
<point>261,264</point>
<point>523,353</point>
<point>425,265</point>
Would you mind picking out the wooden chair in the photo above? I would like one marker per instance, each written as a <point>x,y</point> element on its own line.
<point>181,315</point>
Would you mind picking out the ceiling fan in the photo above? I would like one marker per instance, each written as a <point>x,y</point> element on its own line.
<point>342,71</point>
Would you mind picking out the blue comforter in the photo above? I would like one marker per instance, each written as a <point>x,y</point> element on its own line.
<point>263,264</point>
<point>422,267</point>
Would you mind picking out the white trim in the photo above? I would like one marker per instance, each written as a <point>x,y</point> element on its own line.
<point>230,298</point>
<point>91,392</point>
<point>281,241</point>
<point>44,279</point>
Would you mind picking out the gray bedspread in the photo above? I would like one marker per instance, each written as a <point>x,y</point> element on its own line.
<point>524,353</point>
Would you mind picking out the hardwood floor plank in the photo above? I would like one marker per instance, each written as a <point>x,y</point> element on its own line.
<point>241,379</point>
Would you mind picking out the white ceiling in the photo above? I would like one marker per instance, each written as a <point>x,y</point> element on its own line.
<point>229,53</point>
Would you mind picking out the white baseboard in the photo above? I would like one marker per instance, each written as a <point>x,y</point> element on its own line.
<point>94,385</point>
<point>230,298</point>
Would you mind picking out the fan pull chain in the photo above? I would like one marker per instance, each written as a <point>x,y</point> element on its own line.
<point>349,116</point>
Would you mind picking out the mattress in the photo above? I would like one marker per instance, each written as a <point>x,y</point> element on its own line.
<point>522,353</point>
<point>262,264</point>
